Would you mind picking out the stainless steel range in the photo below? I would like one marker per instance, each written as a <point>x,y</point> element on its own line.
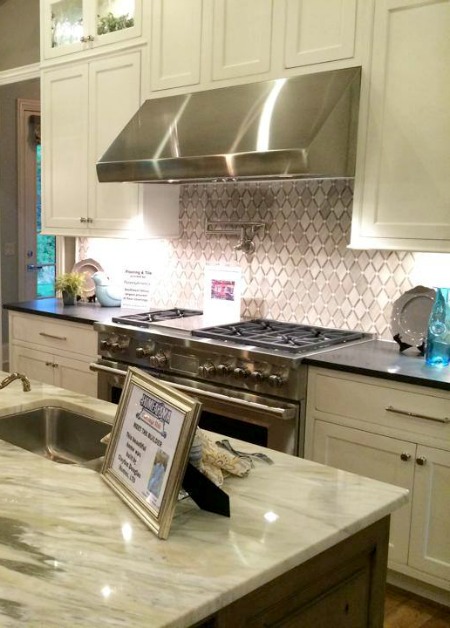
<point>249,375</point>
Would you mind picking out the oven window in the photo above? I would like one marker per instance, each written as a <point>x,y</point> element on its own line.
<point>234,428</point>
<point>115,393</point>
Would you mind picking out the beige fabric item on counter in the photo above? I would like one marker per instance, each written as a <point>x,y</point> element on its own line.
<point>217,462</point>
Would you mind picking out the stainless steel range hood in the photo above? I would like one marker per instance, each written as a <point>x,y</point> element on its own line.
<point>287,128</point>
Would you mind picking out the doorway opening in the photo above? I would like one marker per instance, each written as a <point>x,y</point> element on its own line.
<point>37,252</point>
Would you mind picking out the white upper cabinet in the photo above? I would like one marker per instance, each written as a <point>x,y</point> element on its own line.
<point>402,186</point>
<point>84,107</point>
<point>241,38</point>
<point>73,26</point>
<point>319,31</point>
<point>175,43</point>
<point>222,42</point>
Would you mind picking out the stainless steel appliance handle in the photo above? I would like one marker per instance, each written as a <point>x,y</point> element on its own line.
<point>99,368</point>
<point>281,413</point>
<point>418,416</point>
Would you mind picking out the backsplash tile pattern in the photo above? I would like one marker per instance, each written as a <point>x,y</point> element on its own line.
<point>301,269</point>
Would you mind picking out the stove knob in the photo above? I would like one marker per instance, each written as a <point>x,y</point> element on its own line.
<point>104,344</point>
<point>115,346</point>
<point>223,369</point>
<point>257,376</point>
<point>158,361</point>
<point>275,380</point>
<point>142,352</point>
<point>207,370</point>
<point>240,373</point>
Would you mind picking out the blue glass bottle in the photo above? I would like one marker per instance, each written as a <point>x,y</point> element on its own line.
<point>438,336</point>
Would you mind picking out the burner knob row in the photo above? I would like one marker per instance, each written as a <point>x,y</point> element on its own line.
<point>210,370</point>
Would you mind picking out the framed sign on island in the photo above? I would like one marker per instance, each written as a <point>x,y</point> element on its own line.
<point>149,448</point>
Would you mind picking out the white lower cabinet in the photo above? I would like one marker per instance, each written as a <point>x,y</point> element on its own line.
<point>53,351</point>
<point>376,457</point>
<point>395,433</point>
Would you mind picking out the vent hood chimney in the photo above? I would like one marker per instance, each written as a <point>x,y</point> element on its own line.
<point>303,126</point>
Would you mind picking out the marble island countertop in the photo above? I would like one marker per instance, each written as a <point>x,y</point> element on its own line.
<point>73,554</point>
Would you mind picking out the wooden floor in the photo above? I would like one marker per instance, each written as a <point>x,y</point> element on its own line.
<point>405,610</point>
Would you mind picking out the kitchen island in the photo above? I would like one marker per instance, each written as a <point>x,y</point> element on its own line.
<point>302,539</point>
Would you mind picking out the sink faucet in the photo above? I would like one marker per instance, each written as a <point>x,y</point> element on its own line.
<point>25,381</point>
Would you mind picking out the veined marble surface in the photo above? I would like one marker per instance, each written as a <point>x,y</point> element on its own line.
<point>73,554</point>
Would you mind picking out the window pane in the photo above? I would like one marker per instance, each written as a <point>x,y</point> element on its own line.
<point>45,244</point>
<point>46,281</point>
<point>67,22</point>
<point>114,15</point>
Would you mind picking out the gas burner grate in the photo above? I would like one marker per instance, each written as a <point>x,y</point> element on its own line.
<point>144,319</point>
<point>276,335</point>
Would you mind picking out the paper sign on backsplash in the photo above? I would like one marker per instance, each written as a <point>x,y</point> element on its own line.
<point>136,288</point>
<point>222,295</point>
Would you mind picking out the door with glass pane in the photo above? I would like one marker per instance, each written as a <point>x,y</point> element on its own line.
<point>37,252</point>
<point>70,26</point>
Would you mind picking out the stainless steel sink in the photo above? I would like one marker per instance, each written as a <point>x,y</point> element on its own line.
<point>57,434</point>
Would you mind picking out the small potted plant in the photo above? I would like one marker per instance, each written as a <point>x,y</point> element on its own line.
<point>70,285</point>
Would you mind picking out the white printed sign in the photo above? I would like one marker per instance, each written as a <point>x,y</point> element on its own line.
<point>146,446</point>
<point>136,288</point>
<point>149,447</point>
<point>222,294</point>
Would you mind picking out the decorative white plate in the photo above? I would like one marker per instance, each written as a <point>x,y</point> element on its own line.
<point>410,314</point>
<point>88,267</point>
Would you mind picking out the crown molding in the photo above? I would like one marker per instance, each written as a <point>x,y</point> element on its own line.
<point>23,73</point>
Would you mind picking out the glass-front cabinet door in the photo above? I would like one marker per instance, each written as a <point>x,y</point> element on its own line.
<point>71,26</point>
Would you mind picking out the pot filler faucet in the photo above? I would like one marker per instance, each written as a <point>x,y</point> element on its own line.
<point>24,379</point>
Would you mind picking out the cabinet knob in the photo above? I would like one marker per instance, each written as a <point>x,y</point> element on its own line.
<point>421,460</point>
<point>404,456</point>
<point>83,219</point>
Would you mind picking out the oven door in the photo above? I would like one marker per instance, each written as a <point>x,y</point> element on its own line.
<point>258,419</point>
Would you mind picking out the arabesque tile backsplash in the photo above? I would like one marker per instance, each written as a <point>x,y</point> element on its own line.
<point>301,270</point>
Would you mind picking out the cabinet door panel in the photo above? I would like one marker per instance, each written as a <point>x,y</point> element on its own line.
<point>405,203</point>
<point>242,34</point>
<point>430,539</point>
<point>376,457</point>
<point>114,88</point>
<point>64,147</point>
<point>319,31</point>
<point>176,43</point>
<point>75,375</point>
<point>35,364</point>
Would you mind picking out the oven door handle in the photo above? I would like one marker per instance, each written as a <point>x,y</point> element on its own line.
<point>99,368</point>
<point>287,413</point>
<point>281,413</point>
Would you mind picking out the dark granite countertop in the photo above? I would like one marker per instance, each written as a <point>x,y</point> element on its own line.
<point>82,312</point>
<point>377,358</point>
<point>381,358</point>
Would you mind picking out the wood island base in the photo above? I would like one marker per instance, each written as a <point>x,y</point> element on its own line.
<point>341,587</point>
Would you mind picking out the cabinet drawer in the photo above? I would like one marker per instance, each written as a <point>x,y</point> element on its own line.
<point>53,334</point>
<point>397,406</point>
